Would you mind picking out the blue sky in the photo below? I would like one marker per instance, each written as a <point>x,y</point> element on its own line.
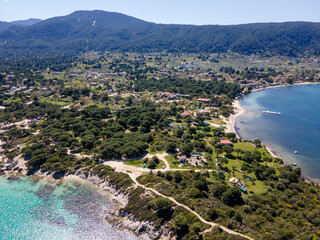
<point>172,11</point>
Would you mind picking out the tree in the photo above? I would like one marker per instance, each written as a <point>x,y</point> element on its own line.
<point>256,155</point>
<point>180,225</point>
<point>156,159</point>
<point>134,122</point>
<point>152,164</point>
<point>213,214</point>
<point>177,177</point>
<point>192,130</point>
<point>257,142</point>
<point>219,189</point>
<point>232,196</point>
<point>201,184</point>
<point>164,207</point>
<point>179,133</point>
<point>171,147</point>
<point>238,151</point>
<point>218,151</point>
<point>187,149</point>
<point>228,149</point>
<point>168,176</point>
<point>194,193</point>
<point>247,157</point>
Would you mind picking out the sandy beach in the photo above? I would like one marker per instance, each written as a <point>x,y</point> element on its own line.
<point>231,124</point>
<point>231,121</point>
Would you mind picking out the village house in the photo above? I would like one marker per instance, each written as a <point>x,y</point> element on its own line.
<point>186,113</point>
<point>204,100</point>
<point>225,142</point>
<point>6,86</point>
<point>166,94</point>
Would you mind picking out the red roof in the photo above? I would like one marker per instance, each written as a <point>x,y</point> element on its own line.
<point>225,141</point>
<point>186,113</point>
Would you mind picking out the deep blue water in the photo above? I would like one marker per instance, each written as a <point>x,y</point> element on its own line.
<point>32,209</point>
<point>296,129</point>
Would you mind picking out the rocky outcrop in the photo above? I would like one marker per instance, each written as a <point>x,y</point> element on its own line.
<point>121,219</point>
<point>116,217</point>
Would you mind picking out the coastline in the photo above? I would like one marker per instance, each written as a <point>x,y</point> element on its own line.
<point>231,125</point>
<point>285,85</point>
<point>239,110</point>
<point>120,198</point>
<point>231,121</point>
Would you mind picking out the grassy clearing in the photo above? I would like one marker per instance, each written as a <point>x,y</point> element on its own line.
<point>234,165</point>
<point>174,163</point>
<point>139,163</point>
<point>244,146</point>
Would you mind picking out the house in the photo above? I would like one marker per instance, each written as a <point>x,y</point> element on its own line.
<point>186,113</point>
<point>225,142</point>
<point>167,95</point>
<point>204,100</point>
<point>93,84</point>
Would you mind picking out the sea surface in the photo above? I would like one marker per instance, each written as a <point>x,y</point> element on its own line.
<point>38,209</point>
<point>296,129</point>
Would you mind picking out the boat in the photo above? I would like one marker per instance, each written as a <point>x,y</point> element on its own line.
<point>294,164</point>
<point>295,152</point>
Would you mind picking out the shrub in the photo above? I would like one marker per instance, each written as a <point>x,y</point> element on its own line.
<point>194,193</point>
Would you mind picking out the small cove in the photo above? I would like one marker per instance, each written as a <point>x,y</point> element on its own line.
<point>39,209</point>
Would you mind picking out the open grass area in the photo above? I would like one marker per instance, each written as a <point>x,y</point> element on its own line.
<point>244,146</point>
<point>62,102</point>
<point>139,163</point>
<point>216,121</point>
<point>174,163</point>
<point>234,165</point>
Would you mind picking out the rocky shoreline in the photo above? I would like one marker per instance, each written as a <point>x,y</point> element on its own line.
<point>116,217</point>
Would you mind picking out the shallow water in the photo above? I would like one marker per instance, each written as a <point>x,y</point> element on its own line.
<point>296,129</point>
<point>38,209</point>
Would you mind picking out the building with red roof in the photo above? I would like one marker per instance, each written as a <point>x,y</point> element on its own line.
<point>225,142</point>
<point>205,100</point>
<point>186,113</point>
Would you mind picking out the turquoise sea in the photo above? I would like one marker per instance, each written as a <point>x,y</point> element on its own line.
<point>38,209</point>
<point>296,129</point>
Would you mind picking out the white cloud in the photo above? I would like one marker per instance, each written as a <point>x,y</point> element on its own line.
<point>7,0</point>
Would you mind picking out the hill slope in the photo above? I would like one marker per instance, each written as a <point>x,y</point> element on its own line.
<point>27,22</point>
<point>98,30</point>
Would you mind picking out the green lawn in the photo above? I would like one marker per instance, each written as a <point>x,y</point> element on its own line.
<point>60,103</point>
<point>139,163</point>
<point>244,146</point>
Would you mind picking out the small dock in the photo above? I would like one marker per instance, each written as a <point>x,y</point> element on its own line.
<point>278,113</point>
<point>264,111</point>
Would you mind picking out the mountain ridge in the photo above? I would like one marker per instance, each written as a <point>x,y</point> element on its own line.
<point>99,30</point>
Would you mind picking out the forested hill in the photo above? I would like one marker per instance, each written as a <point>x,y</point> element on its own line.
<point>98,30</point>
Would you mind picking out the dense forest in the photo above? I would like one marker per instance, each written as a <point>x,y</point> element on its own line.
<point>98,30</point>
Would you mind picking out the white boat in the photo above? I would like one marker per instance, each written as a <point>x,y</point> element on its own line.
<point>296,152</point>
<point>294,164</point>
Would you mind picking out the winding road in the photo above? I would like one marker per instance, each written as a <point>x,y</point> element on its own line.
<point>135,172</point>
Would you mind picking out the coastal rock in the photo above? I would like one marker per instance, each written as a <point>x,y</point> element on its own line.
<point>139,227</point>
<point>117,218</point>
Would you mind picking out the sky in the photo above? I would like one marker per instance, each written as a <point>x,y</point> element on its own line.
<point>198,12</point>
